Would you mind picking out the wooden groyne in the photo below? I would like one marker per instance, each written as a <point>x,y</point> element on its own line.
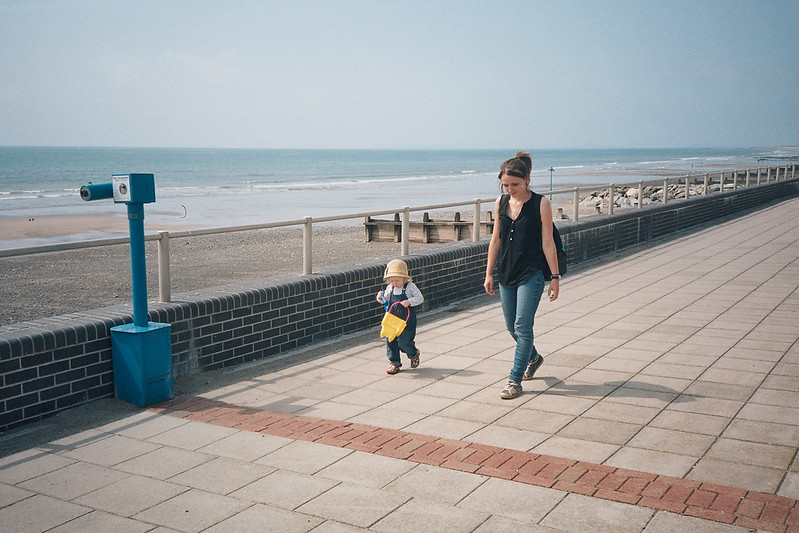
<point>425,231</point>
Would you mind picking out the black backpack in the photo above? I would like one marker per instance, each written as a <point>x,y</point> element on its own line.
<point>561,255</point>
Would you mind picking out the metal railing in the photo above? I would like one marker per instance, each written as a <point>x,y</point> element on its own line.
<point>727,180</point>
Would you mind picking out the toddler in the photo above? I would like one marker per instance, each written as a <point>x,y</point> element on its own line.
<point>401,289</point>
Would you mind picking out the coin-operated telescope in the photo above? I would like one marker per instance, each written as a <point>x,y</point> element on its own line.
<point>141,352</point>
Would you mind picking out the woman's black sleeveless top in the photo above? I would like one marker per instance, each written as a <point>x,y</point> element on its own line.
<point>520,252</point>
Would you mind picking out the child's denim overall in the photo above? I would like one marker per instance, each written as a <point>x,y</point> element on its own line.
<point>406,340</point>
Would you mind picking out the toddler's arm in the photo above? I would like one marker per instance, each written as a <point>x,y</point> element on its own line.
<point>381,296</point>
<point>414,294</point>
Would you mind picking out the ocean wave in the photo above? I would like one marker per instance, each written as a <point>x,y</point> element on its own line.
<point>342,184</point>
<point>663,162</point>
<point>29,195</point>
<point>26,197</point>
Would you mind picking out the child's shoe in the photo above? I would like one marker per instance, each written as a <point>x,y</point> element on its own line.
<point>415,360</point>
<point>392,369</point>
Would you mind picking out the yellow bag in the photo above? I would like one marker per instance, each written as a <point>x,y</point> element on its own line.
<point>392,326</point>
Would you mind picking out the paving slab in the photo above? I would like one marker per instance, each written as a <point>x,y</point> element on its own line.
<point>163,463</point>
<point>354,505</point>
<point>285,489</point>
<point>419,515</point>
<point>192,511</point>
<point>580,513</point>
<point>130,495</point>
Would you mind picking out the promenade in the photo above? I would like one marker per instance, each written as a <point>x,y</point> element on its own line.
<point>668,401</point>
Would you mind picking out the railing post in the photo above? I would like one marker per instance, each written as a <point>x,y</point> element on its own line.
<point>307,247</point>
<point>721,182</point>
<point>476,225</point>
<point>576,214</point>
<point>768,174</point>
<point>164,276</point>
<point>687,187</point>
<point>611,199</point>
<point>793,171</point>
<point>748,172</point>
<point>758,175</point>
<point>707,184</point>
<point>735,180</point>
<point>665,190</point>
<point>640,194</point>
<point>406,230</point>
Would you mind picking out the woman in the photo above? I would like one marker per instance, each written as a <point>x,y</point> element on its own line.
<point>518,251</point>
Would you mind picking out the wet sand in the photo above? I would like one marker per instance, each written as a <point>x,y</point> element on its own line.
<point>48,226</point>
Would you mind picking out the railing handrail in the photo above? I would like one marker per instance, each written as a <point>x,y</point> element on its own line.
<point>164,236</point>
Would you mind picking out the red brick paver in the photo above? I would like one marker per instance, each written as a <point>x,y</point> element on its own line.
<point>729,505</point>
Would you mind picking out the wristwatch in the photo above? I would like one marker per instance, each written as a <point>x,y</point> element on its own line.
<point>555,276</point>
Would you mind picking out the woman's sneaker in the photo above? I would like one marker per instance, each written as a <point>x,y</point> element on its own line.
<point>392,369</point>
<point>532,366</point>
<point>511,390</point>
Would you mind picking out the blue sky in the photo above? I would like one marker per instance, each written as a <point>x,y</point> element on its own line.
<point>399,74</point>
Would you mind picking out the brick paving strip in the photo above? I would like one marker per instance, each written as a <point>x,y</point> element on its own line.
<point>729,505</point>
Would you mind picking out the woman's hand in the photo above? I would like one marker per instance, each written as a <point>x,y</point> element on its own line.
<point>554,290</point>
<point>488,285</point>
<point>405,303</point>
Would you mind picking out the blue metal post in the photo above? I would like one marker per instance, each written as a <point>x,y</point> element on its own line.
<point>138,265</point>
<point>141,353</point>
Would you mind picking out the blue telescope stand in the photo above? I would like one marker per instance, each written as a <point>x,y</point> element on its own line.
<point>141,352</point>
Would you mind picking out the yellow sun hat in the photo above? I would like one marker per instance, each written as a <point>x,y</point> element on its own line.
<point>396,267</point>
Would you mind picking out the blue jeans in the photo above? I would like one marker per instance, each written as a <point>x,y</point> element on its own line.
<point>519,305</point>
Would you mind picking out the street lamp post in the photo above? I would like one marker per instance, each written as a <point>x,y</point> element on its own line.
<point>551,170</point>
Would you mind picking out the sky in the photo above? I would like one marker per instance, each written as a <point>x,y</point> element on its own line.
<point>399,74</point>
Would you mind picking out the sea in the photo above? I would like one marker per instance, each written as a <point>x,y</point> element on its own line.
<point>210,188</point>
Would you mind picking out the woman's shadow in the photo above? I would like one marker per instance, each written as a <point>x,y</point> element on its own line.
<point>619,389</point>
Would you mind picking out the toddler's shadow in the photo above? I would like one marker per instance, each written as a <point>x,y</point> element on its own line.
<point>436,373</point>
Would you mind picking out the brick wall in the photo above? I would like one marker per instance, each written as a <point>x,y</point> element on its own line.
<point>52,364</point>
